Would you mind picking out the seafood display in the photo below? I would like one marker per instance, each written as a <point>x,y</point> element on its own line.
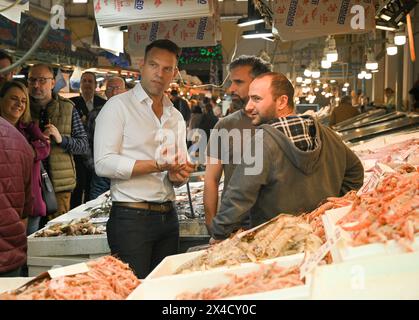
<point>102,210</point>
<point>107,279</point>
<point>183,207</point>
<point>267,278</point>
<point>76,227</point>
<point>389,212</point>
<point>393,155</point>
<point>283,235</point>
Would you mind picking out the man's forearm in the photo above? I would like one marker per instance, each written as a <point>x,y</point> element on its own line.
<point>143,167</point>
<point>210,201</point>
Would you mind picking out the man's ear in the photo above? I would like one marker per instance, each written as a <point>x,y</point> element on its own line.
<point>282,102</point>
<point>175,72</point>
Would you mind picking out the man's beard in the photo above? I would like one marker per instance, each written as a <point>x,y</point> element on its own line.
<point>238,103</point>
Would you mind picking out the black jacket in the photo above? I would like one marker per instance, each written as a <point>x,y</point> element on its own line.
<point>81,107</point>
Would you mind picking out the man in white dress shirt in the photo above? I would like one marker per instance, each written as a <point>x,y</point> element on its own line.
<point>140,144</point>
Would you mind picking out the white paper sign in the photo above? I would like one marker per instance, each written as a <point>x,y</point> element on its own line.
<point>312,260</point>
<point>110,13</point>
<point>69,270</point>
<point>304,19</point>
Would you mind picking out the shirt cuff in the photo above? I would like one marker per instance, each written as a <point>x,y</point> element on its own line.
<point>124,168</point>
<point>64,142</point>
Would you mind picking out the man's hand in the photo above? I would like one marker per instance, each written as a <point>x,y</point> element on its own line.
<point>51,130</point>
<point>179,175</point>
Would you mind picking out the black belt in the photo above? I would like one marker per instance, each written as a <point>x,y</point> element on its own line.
<point>151,206</point>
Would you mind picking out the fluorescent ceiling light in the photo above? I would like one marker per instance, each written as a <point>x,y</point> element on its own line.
<point>18,76</point>
<point>244,22</point>
<point>253,16</point>
<point>385,17</point>
<point>80,1</point>
<point>254,34</point>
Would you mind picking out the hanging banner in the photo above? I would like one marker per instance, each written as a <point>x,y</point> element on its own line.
<point>8,32</point>
<point>110,13</point>
<point>185,33</point>
<point>56,41</point>
<point>303,19</point>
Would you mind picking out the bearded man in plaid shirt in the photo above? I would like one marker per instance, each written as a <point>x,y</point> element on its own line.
<point>302,162</point>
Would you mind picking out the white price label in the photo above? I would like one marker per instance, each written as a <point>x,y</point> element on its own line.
<point>404,155</point>
<point>311,261</point>
<point>69,270</point>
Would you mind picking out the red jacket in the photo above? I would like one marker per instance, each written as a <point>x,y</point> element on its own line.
<point>39,143</point>
<point>16,159</point>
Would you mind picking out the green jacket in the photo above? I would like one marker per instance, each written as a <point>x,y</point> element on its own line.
<point>292,181</point>
<point>61,163</point>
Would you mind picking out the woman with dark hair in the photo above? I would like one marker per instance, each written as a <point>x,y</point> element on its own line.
<point>14,107</point>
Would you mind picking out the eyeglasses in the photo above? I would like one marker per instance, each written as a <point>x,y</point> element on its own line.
<point>41,80</point>
<point>113,88</point>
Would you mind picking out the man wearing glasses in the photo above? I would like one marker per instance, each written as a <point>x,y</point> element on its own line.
<point>60,122</point>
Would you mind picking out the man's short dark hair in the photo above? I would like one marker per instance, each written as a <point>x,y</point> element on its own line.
<point>280,85</point>
<point>5,55</point>
<point>91,73</point>
<point>258,65</point>
<point>166,45</point>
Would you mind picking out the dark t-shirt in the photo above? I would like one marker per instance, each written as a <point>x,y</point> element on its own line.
<point>220,148</point>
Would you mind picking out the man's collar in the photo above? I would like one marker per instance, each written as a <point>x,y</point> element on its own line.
<point>140,93</point>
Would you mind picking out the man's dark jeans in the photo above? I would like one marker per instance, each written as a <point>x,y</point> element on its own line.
<point>142,238</point>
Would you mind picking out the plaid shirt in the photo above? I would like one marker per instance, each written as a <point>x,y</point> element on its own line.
<point>300,129</point>
<point>78,142</point>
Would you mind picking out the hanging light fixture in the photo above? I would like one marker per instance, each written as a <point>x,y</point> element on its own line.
<point>253,16</point>
<point>315,71</point>
<point>259,32</point>
<point>400,38</point>
<point>332,53</point>
<point>307,72</point>
<point>361,74</point>
<point>368,76</point>
<point>371,64</point>
<point>299,79</point>
<point>325,64</point>
<point>346,84</point>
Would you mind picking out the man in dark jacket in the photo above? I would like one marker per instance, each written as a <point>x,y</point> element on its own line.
<point>16,159</point>
<point>302,162</point>
<point>84,104</point>
<point>344,111</point>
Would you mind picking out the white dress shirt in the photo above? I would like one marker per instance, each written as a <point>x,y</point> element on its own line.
<point>127,130</point>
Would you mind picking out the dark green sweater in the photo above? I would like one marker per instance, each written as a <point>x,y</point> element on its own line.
<point>291,181</point>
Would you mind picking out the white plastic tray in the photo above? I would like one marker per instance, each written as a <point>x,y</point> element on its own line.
<point>167,288</point>
<point>343,251</point>
<point>169,264</point>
